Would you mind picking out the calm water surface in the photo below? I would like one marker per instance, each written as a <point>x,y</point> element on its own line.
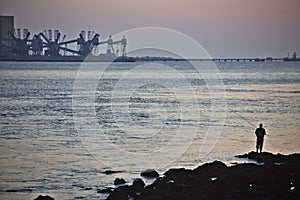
<point>139,110</point>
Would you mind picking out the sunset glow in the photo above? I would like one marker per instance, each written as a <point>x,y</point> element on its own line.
<point>225,28</point>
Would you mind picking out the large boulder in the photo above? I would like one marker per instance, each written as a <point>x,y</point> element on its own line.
<point>119,181</point>
<point>150,173</point>
<point>138,185</point>
<point>120,193</point>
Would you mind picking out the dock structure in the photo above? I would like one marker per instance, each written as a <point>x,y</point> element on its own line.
<point>48,45</point>
<point>268,59</point>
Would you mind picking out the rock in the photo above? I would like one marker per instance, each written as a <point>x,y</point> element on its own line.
<point>120,193</point>
<point>138,185</point>
<point>108,172</point>
<point>105,190</point>
<point>19,190</point>
<point>150,173</point>
<point>123,192</point>
<point>119,181</point>
<point>215,168</point>
<point>265,157</point>
<point>217,181</point>
<point>41,197</point>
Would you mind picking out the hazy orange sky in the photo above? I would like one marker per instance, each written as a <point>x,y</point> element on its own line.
<point>226,28</point>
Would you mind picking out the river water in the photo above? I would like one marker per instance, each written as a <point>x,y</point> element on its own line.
<point>64,124</point>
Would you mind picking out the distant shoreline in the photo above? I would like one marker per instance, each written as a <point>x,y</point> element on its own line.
<point>138,59</point>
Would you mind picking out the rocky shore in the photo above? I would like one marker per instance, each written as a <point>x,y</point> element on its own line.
<point>274,177</point>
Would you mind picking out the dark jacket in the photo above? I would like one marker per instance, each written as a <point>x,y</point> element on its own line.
<point>260,133</point>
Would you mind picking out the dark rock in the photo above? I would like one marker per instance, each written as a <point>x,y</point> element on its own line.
<point>120,193</point>
<point>119,181</point>
<point>211,169</point>
<point>138,185</point>
<point>123,192</point>
<point>173,173</point>
<point>19,190</point>
<point>217,181</point>
<point>108,172</point>
<point>105,190</point>
<point>150,173</point>
<point>265,157</point>
<point>41,197</point>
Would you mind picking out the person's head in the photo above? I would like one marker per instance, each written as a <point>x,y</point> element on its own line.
<point>261,125</point>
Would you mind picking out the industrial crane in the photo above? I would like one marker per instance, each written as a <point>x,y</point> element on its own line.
<point>54,47</point>
<point>123,43</point>
<point>20,46</point>
<point>110,45</point>
<point>86,46</point>
<point>37,45</point>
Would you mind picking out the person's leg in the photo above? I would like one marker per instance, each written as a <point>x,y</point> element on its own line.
<point>261,146</point>
<point>257,145</point>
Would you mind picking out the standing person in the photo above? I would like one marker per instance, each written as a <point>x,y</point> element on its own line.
<point>260,133</point>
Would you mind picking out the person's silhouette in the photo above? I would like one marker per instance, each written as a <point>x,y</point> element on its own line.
<point>260,133</point>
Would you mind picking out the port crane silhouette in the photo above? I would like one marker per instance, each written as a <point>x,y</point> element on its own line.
<point>51,45</point>
<point>20,46</point>
<point>110,45</point>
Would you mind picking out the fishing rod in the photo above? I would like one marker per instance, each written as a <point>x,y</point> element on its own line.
<point>248,121</point>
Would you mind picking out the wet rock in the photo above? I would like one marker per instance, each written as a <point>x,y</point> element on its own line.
<point>105,190</point>
<point>119,181</point>
<point>138,185</point>
<point>215,166</point>
<point>108,172</point>
<point>120,193</point>
<point>265,157</point>
<point>19,190</point>
<point>150,173</point>
<point>124,192</point>
<point>41,197</point>
<point>217,181</point>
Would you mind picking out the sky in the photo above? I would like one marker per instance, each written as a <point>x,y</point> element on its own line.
<point>225,28</point>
